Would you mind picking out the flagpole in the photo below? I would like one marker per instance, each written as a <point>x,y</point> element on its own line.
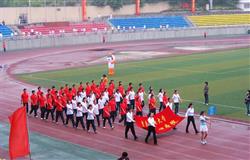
<point>27,122</point>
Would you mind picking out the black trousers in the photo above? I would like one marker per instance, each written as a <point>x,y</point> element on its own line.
<point>176,109</point>
<point>139,113</point>
<point>117,107</point>
<point>132,103</point>
<point>43,110</point>
<point>130,125</point>
<point>80,119</point>
<point>161,106</point>
<point>104,121</point>
<point>92,123</point>
<point>70,117</point>
<point>151,129</point>
<point>34,108</point>
<point>113,115</point>
<point>123,118</point>
<point>152,111</point>
<point>101,112</point>
<point>59,114</point>
<point>191,119</point>
<point>27,107</point>
<point>98,119</point>
<point>142,104</point>
<point>47,114</point>
<point>206,98</point>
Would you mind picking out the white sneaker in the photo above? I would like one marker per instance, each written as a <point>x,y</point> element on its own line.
<point>205,142</point>
<point>202,142</point>
<point>103,127</point>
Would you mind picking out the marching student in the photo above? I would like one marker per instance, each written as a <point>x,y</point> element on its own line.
<point>49,107</point>
<point>203,127</point>
<point>106,94</point>
<point>80,87</point>
<point>60,91</point>
<point>112,106</point>
<point>170,103</point>
<point>151,128</point>
<point>106,115</point>
<point>74,103</point>
<point>123,110</point>
<point>150,93</point>
<point>152,104</point>
<point>110,89</point>
<point>64,100</point>
<point>141,93</point>
<point>105,79</point>
<point>177,100</point>
<point>132,98</point>
<point>42,105</point>
<point>130,86</point>
<point>165,100</point>
<point>84,108</point>
<point>59,109</point>
<point>190,117</point>
<point>138,106</point>
<point>93,85</point>
<point>88,89</point>
<point>79,115</point>
<point>101,102</point>
<point>25,99</point>
<point>39,92</point>
<point>69,95</point>
<point>34,101</point>
<point>66,89</point>
<point>70,113</point>
<point>160,96</point>
<point>121,88</point>
<point>102,86</point>
<point>96,112</point>
<point>127,99</point>
<point>118,97</point>
<point>91,118</point>
<point>74,91</point>
<point>130,124</point>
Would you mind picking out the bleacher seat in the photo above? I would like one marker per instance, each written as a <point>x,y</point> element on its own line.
<point>150,22</point>
<point>5,31</point>
<point>218,20</point>
<point>57,29</point>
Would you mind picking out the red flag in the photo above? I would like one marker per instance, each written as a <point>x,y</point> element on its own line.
<point>164,121</point>
<point>19,138</point>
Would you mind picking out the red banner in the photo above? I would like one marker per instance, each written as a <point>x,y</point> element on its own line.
<point>18,139</point>
<point>165,121</point>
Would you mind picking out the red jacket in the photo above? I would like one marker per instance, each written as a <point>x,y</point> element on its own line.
<point>165,100</point>
<point>49,103</point>
<point>80,88</point>
<point>33,99</point>
<point>112,105</point>
<point>138,105</point>
<point>152,103</point>
<point>58,104</point>
<point>42,101</point>
<point>106,113</point>
<point>88,90</point>
<point>25,97</point>
<point>121,90</point>
<point>123,106</point>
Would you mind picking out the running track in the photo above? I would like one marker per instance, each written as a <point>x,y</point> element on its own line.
<point>226,140</point>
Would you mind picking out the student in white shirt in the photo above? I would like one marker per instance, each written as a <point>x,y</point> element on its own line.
<point>203,127</point>
<point>160,96</point>
<point>170,103</point>
<point>130,124</point>
<point>69,114</point>
<point>141,96</point>
<point>96,112</point>
<point>84,108</point>
<point>127,98</point>
<point>118,97</point>
<point>91,118</point>
<point>151,128</point>
<point>101,102</point>
<point>132,98</point>
<point>79,116</point>
<point>190,117</point>
<point>177,100</point>
<point>74,104</point>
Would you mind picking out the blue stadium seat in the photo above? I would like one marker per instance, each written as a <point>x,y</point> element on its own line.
<point>5,30</point>
<point>150,22</point>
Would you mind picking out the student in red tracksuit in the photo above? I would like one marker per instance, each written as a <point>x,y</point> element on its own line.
<point>152,104</point>
<point>66,89</point>
<point>110,89</point>
<point>123,110</point>
<point>106,115</point>
<point>80,87</point>
<point>42,104</point>
<point>165,100</point>
<point>73,89</point>
<point>93,85</point>
<point>130,86</point>
<point>69,95</point>
<point>49,107</point>
<point>34,101</point>
<point>25,99</point>
<point>60,92</point>
<point>88,89</point>
<point>121,88</point>
<point>64,100</point>
<point>59,109</point>
<point>39,91</point>
<point>138,106</point>
<point>112,106</point>
<point>102,86</point>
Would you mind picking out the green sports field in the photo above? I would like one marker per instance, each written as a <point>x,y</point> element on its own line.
<point>228,74</point>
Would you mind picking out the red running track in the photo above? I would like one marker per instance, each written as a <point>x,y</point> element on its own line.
<point>226,140</point>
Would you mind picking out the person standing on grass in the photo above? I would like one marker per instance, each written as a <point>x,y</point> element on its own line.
<point>190,117</point>
<point>203,127</point>
<point>42,105</point>
<point>160,96</point>
<point>79,115</point>
<point>25,99</point>
<point>151,128</point>
<point>70,113</point>
<point>177,100</point>
<point>205,90</point>
<point>91,118</point>
<point>130,124</point>
<point>247,102</point>
<point>34,102</point>
<point>106,115</point>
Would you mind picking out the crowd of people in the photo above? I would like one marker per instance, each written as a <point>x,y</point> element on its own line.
<point>88,103</point>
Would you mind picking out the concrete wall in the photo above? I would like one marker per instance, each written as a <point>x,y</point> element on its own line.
<point>116,37</point>
<point>53,14</point>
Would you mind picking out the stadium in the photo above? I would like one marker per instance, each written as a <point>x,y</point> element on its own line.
<point>143,66</point>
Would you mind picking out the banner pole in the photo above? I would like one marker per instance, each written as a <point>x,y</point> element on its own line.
<point>27,123</point>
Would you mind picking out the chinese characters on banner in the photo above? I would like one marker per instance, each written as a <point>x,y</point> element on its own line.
<point>165,121</point>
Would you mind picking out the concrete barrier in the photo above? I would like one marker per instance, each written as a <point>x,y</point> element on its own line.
<point>90,38</point>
